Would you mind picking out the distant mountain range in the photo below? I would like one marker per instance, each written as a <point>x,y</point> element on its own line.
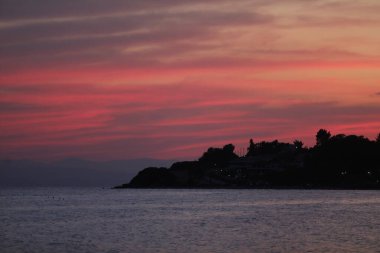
<point>72,172</point>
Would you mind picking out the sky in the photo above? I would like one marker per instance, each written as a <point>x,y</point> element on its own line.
<point>122,79</point>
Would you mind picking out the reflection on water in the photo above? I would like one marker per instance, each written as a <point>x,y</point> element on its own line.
<point>99,220</point>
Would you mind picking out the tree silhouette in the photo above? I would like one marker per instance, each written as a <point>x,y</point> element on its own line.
<point>229,148</point>
<point>218,157</point>
<point>298,144</point>
<point>251,148</point>
<point>322,137</point>
<point>378,138</point>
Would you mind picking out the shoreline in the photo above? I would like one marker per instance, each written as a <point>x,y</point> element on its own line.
<point>250,188</point>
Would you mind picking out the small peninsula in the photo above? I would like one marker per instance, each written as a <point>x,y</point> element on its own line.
<point>335,162</point>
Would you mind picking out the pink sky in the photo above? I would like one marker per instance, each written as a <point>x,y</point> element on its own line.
<point>167,79</point>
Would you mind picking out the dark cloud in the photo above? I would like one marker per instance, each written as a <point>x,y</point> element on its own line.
<point>31,9</point>
<point>14,107</point>
<point>104,38</point>
<point>14,10</point>
<point>48,33</point>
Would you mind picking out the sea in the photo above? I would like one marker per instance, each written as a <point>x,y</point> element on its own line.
<point>182,220</point>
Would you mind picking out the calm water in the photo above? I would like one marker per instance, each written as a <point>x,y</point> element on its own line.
<point>97,220</point>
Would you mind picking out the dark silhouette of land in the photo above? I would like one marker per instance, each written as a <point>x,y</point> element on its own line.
<point>72,172</point>
<point>335,162</point>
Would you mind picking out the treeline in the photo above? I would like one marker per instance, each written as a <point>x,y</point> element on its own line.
<point>339,161</point>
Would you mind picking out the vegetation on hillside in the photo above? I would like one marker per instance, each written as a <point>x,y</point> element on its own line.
<point>339,161</point>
